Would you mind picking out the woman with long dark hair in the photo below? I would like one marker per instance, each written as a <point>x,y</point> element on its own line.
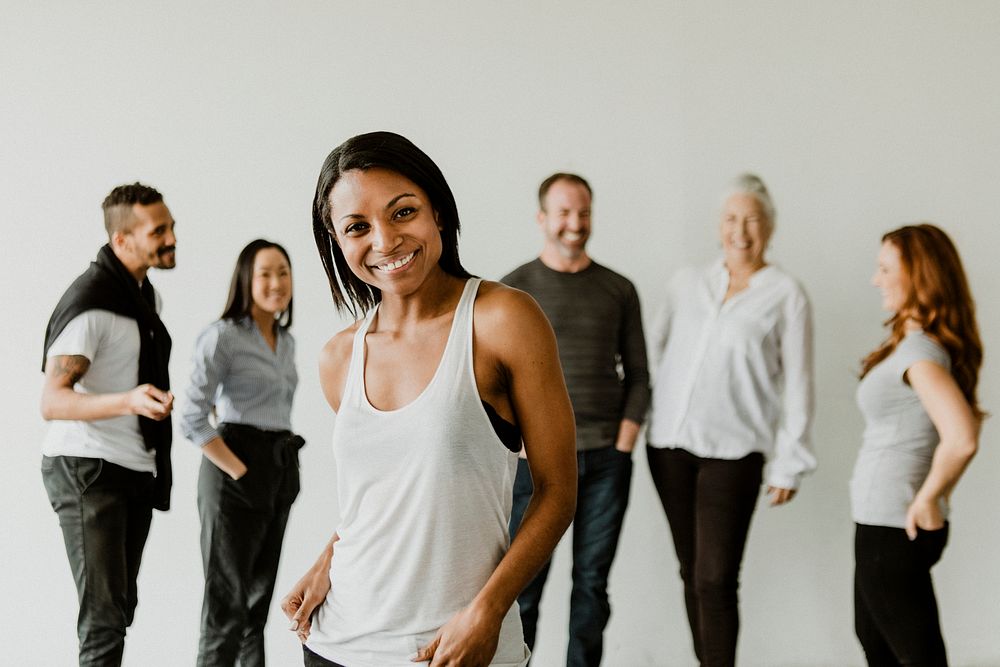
<point>918,397</point>
<point>436,387</point>
<point>244,373</point>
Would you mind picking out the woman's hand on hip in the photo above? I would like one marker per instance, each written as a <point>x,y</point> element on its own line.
<point>468,639</point>
<point>308,593</point>
<point>923,514</point>
<point>302,600</point>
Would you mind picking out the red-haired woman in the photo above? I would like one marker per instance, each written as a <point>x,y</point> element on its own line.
<point>918,397</point>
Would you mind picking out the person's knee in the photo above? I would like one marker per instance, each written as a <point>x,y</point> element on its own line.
<point>592,577</point>
<point>721,586</point>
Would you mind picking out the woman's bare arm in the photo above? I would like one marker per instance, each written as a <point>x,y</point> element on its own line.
<point>511,328</point>
<point>958,428</point>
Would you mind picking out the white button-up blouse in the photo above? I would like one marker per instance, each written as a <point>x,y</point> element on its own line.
<point>735,377</point>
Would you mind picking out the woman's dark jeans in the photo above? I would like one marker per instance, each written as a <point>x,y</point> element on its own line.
<point>242,528</point>
<point>709,504</point>
<point>895,611</point>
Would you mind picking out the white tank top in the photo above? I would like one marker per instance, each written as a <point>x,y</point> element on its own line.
<point>425,498</point>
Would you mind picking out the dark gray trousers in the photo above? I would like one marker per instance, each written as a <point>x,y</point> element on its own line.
<point>104,511</point>
<point>242,527</point>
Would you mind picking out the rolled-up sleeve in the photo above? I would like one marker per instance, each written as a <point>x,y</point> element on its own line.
<point>794,455</point>
<point>208,366</point>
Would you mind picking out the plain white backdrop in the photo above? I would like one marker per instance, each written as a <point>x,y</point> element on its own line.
<point>860,117</point>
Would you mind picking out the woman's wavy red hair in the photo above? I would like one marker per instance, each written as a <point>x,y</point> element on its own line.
<point>939,300</point>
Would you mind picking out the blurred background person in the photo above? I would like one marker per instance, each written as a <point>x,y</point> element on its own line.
<point>244,373</point>
<point>733,389</point>
<point>918,398</point>
<point>595,314</point>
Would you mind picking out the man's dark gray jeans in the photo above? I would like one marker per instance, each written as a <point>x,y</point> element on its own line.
<point>104,511</point>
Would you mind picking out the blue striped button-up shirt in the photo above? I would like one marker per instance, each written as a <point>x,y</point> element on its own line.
<point>237,373</point>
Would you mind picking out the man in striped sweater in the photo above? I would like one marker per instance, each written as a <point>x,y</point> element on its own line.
<point>595,314</point>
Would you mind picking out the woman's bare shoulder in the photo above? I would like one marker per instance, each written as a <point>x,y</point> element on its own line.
<point>508,315</point>
<point>499,300</point>
<point>334,360</point>
<point>337,350</point>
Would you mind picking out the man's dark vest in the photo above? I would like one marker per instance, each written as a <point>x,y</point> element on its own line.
<point>108,285</point>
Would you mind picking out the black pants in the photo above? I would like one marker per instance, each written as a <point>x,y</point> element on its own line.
<point>242,527</point>
<point>311,659</point>
<point>895,611</point>
<point>709,504</point>
<point>603,482</point>
<point>104,511</point>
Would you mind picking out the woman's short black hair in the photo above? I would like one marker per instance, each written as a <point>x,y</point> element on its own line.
<point>240,301</point>
<point>384,150</point>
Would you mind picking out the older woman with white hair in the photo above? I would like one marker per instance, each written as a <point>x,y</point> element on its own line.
<point>733,389</point>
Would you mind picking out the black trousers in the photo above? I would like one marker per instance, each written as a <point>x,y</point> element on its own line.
<point>709,504</point>
<point>895,611</point>
<point>104,511</point>
<point>242,528</point>
<point>310,659</point>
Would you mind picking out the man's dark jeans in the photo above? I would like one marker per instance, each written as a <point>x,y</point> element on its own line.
<point>604,479</point>
<point>242,528</point>
<point>104,511</point>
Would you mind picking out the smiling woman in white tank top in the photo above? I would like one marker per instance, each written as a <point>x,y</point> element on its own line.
<point>434,389</point>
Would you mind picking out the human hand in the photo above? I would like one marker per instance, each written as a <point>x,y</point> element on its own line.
<point>780,496</point>
<point>237,470</point>
<point>628,432</point>
<point>305,596</point>
<point>148,401</point>
<point>468,639</point>
<point>923,514</point>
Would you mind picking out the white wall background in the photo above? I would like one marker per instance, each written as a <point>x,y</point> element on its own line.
<point>860,116</point>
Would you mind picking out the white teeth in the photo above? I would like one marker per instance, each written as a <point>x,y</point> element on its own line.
<point>392,266</point>
<point>572,236</point>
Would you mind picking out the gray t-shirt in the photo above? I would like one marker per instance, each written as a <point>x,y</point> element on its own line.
<point>899,439</point>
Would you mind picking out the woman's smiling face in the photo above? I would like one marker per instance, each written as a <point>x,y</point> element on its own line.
<point>387,229</point>
<point>744,231</point>
<point>890,278</point>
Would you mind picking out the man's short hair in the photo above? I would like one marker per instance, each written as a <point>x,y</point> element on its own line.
<point>543,189</point>
<point>118,205</point>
